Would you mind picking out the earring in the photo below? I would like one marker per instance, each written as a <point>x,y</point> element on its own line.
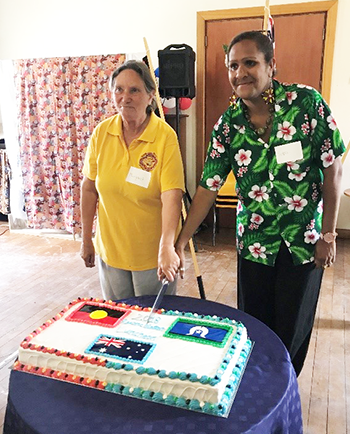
<point>269,95</point>
<point>233,100</point>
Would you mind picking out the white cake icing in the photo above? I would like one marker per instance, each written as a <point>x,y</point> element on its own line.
<point>171,367</point>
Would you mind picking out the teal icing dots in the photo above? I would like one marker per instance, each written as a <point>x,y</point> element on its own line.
<point>207,408</point>
<point>137,392</point>
<point>110,365</point>
<point>117,388</point>
<point>140,370</point>
<point>194,404</point>
<point>128,367</point>
<point>170,399</point>
<point>173,375</point>
<point>204,379</point>
<point>151,371</point>
<point>109,387</point>
<point>147,394</point>
<point>162,374</point>
<point>126,391</point>
<point>193,377</point>
<point>183,376</point>
<point>158,397</point>
<point>117,365</point>
<point>181,402</point>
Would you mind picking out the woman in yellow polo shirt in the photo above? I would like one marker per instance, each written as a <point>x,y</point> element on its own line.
<point>133,177</point>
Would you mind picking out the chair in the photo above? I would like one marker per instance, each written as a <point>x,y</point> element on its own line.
<point>226,198</point>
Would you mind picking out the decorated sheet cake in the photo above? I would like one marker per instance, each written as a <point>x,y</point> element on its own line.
<point>179,358</point>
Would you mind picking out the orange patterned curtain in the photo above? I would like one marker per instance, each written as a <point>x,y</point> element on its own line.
<point>60,102</point>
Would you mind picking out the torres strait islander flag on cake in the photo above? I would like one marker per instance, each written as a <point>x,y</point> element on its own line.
<point>191,361</point>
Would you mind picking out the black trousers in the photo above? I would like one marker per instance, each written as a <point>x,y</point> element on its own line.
<point>284,297</point>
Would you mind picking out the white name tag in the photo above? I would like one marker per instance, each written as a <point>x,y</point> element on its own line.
<point>289,152</point>
<point>138,177</point>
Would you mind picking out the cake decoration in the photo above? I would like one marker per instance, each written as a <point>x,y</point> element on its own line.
<point>98,314</point>
<point>200,332</point>
<point>180,371</point>
<point>124,349</point>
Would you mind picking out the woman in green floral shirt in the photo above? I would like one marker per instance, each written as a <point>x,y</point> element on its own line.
<point>283,146</point>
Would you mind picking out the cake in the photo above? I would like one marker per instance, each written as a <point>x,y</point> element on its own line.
<point>182,359</point>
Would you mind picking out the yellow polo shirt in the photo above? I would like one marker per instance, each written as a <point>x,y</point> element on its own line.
<point>129,215</point>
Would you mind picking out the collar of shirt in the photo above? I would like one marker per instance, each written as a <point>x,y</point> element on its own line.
<point>148,135</point>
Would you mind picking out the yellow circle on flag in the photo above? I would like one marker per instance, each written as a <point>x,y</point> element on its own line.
<point>98,314</point>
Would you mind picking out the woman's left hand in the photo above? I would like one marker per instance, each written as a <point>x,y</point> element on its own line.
<point>168,263</point>
<point>325,254</point>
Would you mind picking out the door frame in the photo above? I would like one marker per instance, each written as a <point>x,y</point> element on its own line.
<point>330,7</point>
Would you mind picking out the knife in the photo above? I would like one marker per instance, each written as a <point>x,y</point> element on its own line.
<point>165,284</point>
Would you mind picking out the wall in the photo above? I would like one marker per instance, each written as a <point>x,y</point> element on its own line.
<point>40,28</point>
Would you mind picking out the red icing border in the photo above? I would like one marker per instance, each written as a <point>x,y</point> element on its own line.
<point>81,357</point>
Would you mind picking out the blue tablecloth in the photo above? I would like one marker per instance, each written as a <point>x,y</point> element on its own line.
<point>267,401</point>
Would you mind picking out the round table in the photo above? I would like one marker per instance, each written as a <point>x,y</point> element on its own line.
<point>267,400</point>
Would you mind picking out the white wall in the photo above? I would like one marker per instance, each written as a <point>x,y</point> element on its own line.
<point>41,28</point>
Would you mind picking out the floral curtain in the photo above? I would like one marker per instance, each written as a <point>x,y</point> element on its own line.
<point>4,183</point>
<point>60,101</point>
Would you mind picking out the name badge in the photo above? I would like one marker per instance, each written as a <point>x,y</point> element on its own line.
<point>138,177</point>
<point>289,152</point>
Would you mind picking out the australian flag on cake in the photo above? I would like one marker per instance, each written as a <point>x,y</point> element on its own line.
<point>125,349</point>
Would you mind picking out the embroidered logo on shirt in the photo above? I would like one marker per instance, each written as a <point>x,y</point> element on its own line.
<point>148,161</point>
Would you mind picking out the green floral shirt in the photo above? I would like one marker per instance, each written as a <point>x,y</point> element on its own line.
<point>276,200</point>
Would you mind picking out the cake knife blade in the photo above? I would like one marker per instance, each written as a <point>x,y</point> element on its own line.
<point>158,300</point>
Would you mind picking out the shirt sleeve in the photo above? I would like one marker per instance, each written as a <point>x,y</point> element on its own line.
<point>90,161</point>
<point>217,163</point>
<point>326,138</point>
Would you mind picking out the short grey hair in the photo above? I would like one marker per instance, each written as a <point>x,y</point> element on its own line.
<point>143,71</point>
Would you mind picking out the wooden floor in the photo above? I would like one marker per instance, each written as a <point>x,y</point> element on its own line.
<point>39,275</point>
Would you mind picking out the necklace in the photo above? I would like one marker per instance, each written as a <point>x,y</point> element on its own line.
<point>261,130</point>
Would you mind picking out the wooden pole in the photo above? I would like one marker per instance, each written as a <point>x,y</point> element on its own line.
<point>266,14</point>
<point>184,214</point>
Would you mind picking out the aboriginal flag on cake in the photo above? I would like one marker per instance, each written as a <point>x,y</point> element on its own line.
<point>98,314</point>
<point>120,348</point>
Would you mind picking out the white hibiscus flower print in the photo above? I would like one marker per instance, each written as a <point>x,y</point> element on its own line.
<point>214,183</point>
<point>320,207</point>
<point>218,146</point>
<point>240,128</point>
<point>243,157</point>
<point>297,176</point>
<point>257,250</point>
<point>216,126</point>
<point>295,203</point>
<point>256,218</point>
<point>286,131</point>
<point>331,122</point>
<point>240,229</point>
<point>327,158</point>
<point>291,96</point>
<point>311,237</point>
<point>239,207</point>
<point>258,193</point>
<point>313,125</point>
<point>291,165</point>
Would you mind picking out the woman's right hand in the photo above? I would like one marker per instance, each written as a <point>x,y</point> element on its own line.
<point>180,250</point>
<point>87,253</point>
